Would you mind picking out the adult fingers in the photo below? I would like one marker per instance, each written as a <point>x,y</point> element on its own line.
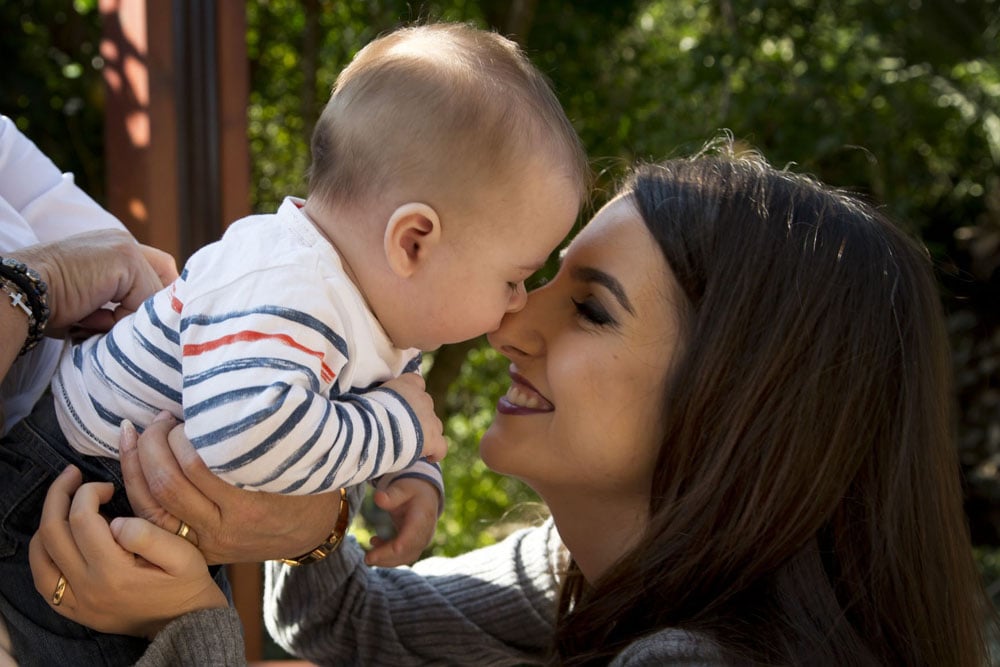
<point>144,282</point>
<point>53,527</point>
<point>60,493</point>
<point>195,470</point>
<point>54,536</point>
<point>99,321</point>
<point>232,524</point>
<point>162,262</point>
<point>171,553</point>
<point>44,572</point>
<point>143,503</point>
<point>90,532</point>
<point>168,482</point>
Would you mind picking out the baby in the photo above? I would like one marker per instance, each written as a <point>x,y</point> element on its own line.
<point>444,173</point>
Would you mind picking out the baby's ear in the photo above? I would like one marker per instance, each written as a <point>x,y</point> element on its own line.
<point>411,234</point>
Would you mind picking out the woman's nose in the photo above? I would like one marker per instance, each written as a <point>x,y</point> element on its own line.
<point>519,333</point>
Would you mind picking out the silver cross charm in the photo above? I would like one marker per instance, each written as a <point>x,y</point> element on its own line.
<point>17,300</point>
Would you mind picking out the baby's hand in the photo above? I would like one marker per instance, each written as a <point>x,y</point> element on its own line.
<point>413,505</point>
<point>411,387</point>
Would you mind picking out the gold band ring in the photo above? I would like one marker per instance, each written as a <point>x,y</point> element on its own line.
<point>183,530</point>
<point>57,595</point>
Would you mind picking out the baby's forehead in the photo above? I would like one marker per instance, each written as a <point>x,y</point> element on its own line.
<point>515,256</point>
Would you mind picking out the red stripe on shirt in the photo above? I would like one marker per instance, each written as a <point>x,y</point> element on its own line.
<point>192,350</point>
<point>175,303</point>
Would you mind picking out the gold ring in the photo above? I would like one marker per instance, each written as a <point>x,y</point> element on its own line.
<point>57,596</point>
<point>183,530</point>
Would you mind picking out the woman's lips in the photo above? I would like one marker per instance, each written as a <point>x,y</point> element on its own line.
<point>522,399</point>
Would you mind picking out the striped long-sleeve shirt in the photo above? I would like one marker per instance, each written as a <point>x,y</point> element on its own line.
<point>268,352</point>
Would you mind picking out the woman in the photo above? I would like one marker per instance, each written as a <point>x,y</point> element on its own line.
<point>733,397</point>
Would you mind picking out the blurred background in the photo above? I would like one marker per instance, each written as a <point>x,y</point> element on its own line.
<point>898,100</point>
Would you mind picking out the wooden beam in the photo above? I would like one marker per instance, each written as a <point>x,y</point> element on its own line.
<point>178,158</point>
<point>178,164</point>
<point>234,96</point>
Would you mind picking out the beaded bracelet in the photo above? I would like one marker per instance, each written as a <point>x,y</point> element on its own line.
<point>21,283</point>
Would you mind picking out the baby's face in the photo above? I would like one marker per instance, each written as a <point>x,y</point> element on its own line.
<point>479,275</point>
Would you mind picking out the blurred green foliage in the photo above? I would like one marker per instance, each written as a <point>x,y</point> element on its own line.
<point>898,101</point>
<point>50,82</point>
<point>296,49</point>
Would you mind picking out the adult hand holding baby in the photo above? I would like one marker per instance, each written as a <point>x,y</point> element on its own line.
<point>151,575</point>
<point>135,575</point>
<point>167,481</point>
<point>85,271</point>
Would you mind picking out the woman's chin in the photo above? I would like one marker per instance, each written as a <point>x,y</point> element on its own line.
<point>495,452</point>
<point>487,446</point>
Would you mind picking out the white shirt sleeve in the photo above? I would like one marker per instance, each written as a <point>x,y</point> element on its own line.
<point>38,204</point>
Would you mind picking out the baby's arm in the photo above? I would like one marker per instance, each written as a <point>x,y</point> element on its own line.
<point>261,400</point>
<point>412,389</point>
<point>413,497</point>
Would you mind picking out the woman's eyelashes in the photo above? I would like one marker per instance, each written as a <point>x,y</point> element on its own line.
<point>593,312</point>
<point>535,282</point>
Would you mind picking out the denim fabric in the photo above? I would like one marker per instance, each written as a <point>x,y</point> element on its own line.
<point>31,456</point>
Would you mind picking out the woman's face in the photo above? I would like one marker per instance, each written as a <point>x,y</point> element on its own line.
<point>589,357</point>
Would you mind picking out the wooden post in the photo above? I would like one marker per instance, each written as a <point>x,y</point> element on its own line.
<point>177,153</point>
<point>178,158</point>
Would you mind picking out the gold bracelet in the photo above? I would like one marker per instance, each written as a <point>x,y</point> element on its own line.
<point>332,541</point>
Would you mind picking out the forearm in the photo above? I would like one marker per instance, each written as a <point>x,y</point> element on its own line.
<point>16,304</point>
<point>493,606</point>
<point>13,332</point>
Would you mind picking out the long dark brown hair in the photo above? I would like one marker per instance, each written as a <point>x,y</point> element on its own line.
<point>806,505</point>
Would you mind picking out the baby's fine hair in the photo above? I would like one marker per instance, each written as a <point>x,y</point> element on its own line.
<point>441,107</point>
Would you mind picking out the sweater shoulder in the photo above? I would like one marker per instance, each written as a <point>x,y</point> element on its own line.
<point>670,646</point>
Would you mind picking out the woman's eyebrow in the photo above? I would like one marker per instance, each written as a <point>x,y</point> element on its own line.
<point>589,274</point>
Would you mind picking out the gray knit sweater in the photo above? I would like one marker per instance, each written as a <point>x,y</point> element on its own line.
<point>492,606</point>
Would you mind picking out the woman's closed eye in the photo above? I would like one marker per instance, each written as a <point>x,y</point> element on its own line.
<point>593,312</point>
<point>535,282</point>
